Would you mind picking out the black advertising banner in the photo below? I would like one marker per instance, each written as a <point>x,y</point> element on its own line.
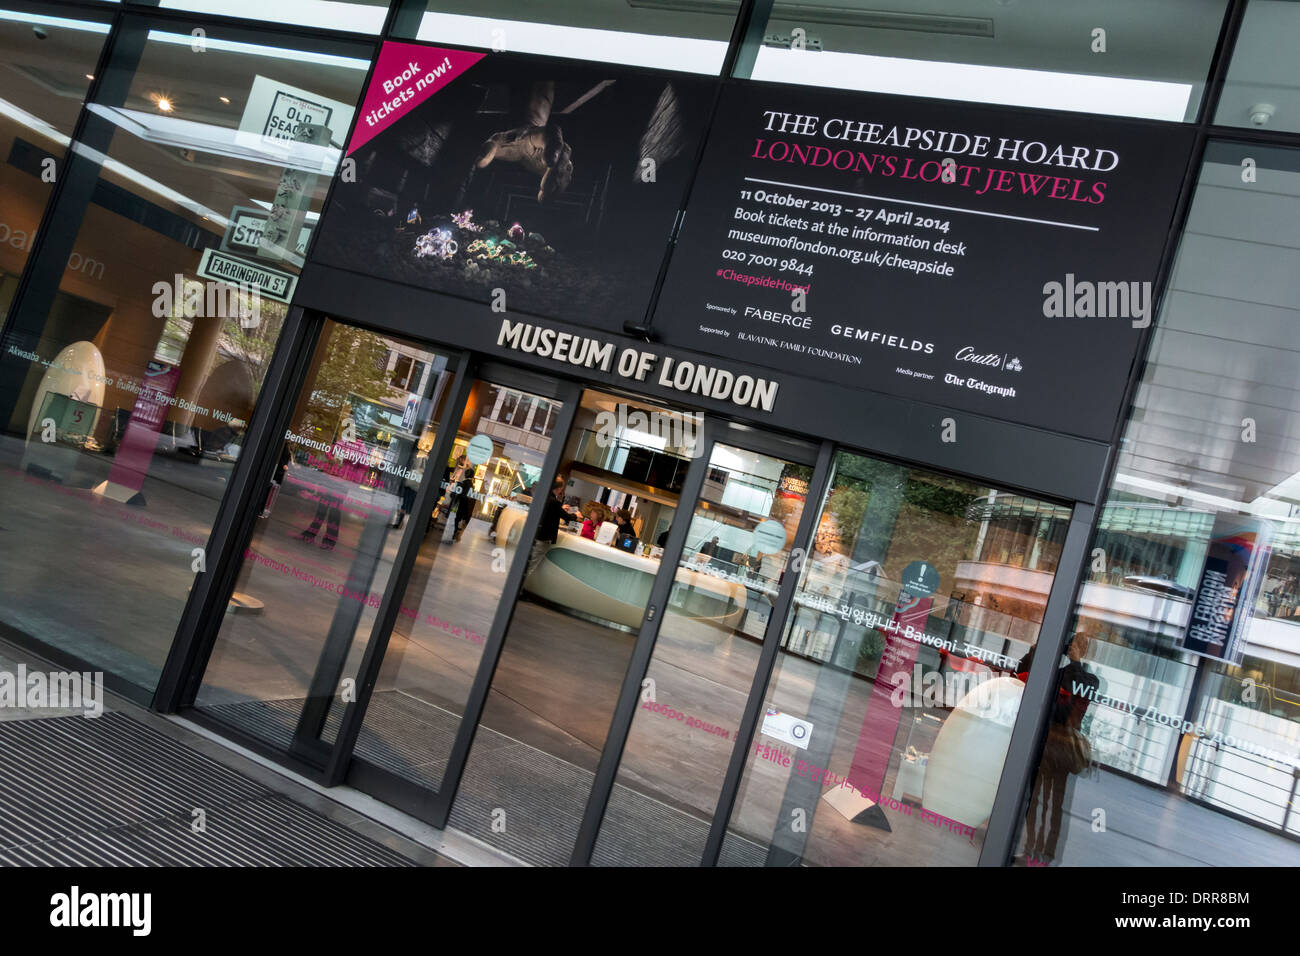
<point>1236,562</point>
<point>536,185</point>
<point>996,261</point>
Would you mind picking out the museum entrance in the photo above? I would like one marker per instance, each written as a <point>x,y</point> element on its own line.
<point>586,626</point>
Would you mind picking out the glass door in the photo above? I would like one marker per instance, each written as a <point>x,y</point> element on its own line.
<point>586,572</point>
<point>494,472</point>
<point>889,708</point>
<point>743,527</point>
<point>310,587</point>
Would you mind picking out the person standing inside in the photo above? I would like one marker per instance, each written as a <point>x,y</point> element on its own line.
<point>548,529</point>
<point>595,517</point>
<point>464,479</point>
<point>625,537</point>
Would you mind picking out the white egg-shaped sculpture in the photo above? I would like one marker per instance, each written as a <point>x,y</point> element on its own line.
<point>78,372</point>
<point>965,763</point>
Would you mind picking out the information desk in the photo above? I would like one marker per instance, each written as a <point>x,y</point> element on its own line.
<point>604,582</point>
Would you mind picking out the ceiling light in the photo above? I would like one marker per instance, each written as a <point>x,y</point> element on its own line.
<point>87,25</point>
<point>224,99</point>
<point>821,13</point>
<point>90,76</point>
<point>209,138</point>
<point>687,54</point>
<point>258,49</point>
<point>164,103</point>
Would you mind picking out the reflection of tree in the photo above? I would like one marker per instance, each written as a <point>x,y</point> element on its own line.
<point>253,347</point>
<point>355,361</point>
<point>842,517</point>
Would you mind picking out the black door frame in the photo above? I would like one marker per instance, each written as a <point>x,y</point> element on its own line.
<point>434,805</point>
<point>716,431</point>
<point>233,531</point>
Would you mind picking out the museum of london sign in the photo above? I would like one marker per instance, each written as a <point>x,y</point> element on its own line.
<point>639,365</point>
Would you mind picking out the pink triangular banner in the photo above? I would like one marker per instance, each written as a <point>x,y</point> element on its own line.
<point>406,75</point>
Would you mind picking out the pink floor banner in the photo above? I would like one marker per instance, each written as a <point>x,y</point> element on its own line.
<point>134,454</point>
<point>406,74</point>
<point>880,722</point>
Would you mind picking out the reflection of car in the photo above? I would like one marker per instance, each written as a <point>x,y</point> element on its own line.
<point>1162,586</point>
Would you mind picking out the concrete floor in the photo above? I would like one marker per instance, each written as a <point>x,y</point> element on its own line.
<point>95,578</point>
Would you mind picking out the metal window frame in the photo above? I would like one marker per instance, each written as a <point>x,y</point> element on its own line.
<point>814,505</point>
<point>716,432</point>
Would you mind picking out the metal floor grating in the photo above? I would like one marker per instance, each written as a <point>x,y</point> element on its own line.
<point>543,796</point>
<point>111,791</point>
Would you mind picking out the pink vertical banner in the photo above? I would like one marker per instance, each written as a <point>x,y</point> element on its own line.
<point>140,440</point>
<point>406,74</point>
<point>880,722</point>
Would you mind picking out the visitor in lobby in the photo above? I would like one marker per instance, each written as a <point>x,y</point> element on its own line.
<point>548,529</point>
<point>625,537</point>
<point>464,491</point>
<point>596,515</point>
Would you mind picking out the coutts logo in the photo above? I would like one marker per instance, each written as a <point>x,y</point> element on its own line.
<point>968,354</point>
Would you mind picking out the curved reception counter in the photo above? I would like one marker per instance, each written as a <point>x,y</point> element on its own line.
<point>604,582</point>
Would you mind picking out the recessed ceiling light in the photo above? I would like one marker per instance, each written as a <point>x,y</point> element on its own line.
<point>90,76</point>
<point>224,99</point>
<point>163,103</point>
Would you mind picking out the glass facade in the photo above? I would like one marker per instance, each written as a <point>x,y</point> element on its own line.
<point>587,622</point>
<point>38,126</point>
<point>915,616</point>
<point>1148,712</point>
<point>130,380</point>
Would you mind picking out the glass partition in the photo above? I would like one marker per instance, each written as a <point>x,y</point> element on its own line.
<point>49,64</point>
<point>1175,739</point>
<point>313,575</point>
<point>888,715</point>
<point>1262,89</point>
<point>590,570</point>
<point>487,486</point>
<point>201,170</point>
<point>699,678</point>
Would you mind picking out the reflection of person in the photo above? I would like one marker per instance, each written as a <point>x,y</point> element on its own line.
<point>1065,752</point>
<point>328,505</point>
<point>277,479</point>
<point>548,529</point>
<point>407,489</point>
